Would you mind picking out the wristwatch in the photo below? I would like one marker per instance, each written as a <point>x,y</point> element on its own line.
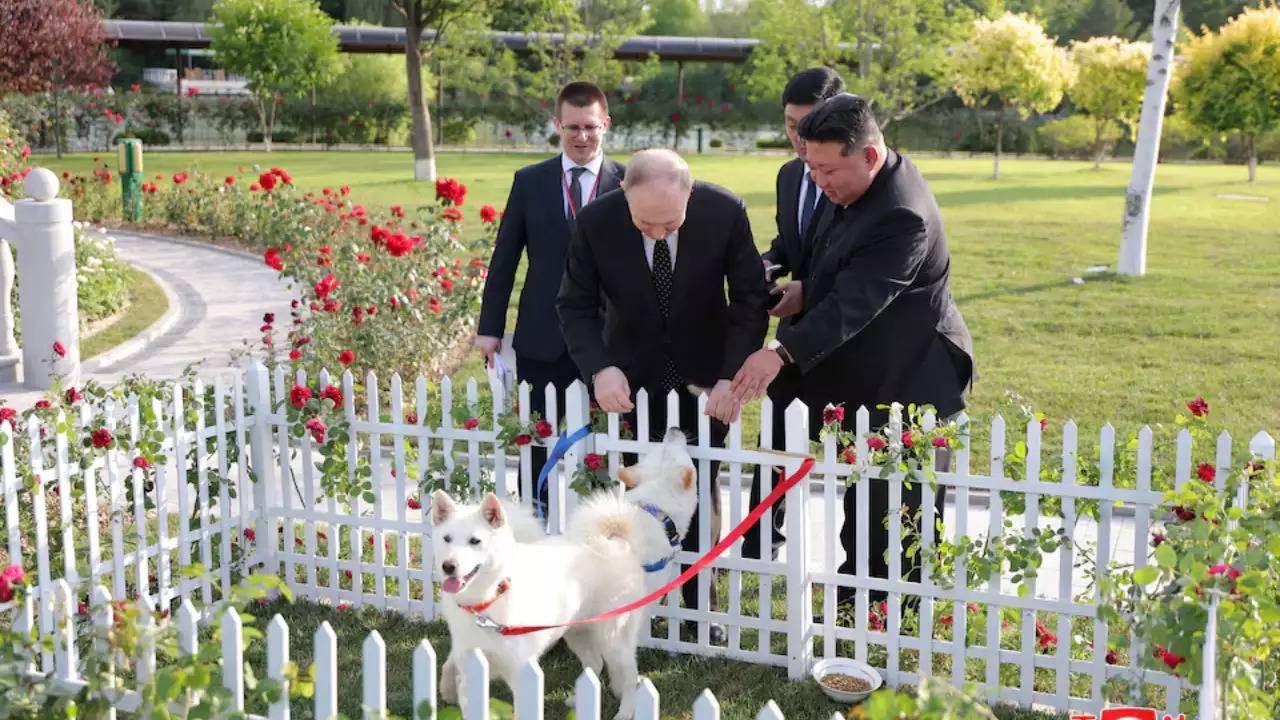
<point>777,347</point>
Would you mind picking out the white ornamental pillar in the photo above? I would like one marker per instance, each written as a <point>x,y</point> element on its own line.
<point>47,282</point>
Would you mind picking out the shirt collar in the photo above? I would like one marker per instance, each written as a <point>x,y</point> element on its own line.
<point>593,167</point>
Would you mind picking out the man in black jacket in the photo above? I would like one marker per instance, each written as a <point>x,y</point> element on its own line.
<point>657,255</point>
<point>879,324</point>
<point>799,205</point>
<point>544,201</point>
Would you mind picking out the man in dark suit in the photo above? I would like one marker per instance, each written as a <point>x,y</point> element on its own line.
<point>879,324</point>
<point>545,199</point>
<point>658,255</point>
<point>799,205</point>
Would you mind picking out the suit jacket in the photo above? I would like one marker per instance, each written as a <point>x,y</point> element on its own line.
<point>788,248</point>
<point>535,221</point>
<point>879,323</point>
<point>707,334</point>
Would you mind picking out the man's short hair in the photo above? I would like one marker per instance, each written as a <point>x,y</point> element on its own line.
<point>808,87</point>
<point>657,166</point>
<point>581,94</point>
<point>844,118</point>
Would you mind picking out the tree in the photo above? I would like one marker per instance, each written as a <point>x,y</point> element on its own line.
<point>793,35</point>
<point>452,20</point>
<point>1137,199</point>
<point>1231,80</point>
<point>676,17</point>
<point>1109,77</point>
<point>51,46</point>
<point>282,47</point>
<point>1010,63</point>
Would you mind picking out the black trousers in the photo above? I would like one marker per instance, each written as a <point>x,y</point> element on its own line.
<point>560,372</point>
<point>688,422</point>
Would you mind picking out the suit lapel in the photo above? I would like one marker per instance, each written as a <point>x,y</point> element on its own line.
<point>552,193</point>
<point>791,199</point>
<point>610,177</point>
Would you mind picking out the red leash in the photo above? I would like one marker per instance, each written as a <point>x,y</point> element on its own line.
<point>705,560</point>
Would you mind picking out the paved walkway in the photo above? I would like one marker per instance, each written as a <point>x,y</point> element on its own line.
<point>216,301</point>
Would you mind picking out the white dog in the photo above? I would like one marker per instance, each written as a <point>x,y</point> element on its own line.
<point>494,577</point>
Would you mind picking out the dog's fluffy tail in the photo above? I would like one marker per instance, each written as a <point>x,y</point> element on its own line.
<point>605,523</point>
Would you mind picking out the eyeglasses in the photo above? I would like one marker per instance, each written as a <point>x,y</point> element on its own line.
<point>582,129</point>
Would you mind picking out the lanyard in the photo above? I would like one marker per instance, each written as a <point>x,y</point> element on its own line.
<point>573,202</point>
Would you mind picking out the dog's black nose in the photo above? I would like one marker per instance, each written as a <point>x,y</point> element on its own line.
<point>450,567</point>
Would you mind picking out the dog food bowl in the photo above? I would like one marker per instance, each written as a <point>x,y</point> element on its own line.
<point>850,668</point>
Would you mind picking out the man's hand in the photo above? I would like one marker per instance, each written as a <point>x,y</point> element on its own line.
<point>792,300</point>
<point>754,376</point>
<point>490,346</point>
<point>722,405</point>
<point>612,391</point>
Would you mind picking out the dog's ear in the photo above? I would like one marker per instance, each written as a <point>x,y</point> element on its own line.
<point>442,507</point>
<point>629,476</point>
<point>491,510</point>
<point>687,477</point>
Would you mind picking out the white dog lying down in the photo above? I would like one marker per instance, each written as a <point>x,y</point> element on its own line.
<point>494,571</point>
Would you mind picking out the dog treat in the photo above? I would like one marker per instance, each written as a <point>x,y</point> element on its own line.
<point>845,683</point>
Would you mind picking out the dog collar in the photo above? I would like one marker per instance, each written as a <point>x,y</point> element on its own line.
<point>478,608</point>
<point>673,537</point>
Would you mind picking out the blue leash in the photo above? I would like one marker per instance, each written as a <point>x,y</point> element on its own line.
<point>561,447</point>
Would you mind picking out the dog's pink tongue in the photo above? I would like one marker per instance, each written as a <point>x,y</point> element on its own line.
<point>451,585</point>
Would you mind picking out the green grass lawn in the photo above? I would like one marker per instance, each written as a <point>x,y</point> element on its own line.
<point>147,303</point>
<point>1129,351</point>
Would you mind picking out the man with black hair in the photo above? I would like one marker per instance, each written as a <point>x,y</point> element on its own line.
<point>541,210</point>
<point>799,204</point>
<point>879,324</point>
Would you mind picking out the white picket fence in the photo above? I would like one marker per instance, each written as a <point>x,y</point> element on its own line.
<point>269,514</point>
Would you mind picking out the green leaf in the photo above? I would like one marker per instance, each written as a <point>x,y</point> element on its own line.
<point>1146,575</point>
<point>1165,556</point>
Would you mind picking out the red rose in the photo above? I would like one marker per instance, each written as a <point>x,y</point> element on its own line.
<point>59,349</point>
<point>249,534</point>
<point>397,211</point>
<point>471,424</point>
<point>524,439</point>
<point>299,396</point>
<point>1206,472</point>
<point>1224,569</point>
<point>832,414</point>
<point>849,455</point>
<point>414,504</point>
<point>346,357</point>
<point>331,392</point>
<point>267,181</point>
<point>1157,539</point>
<point>254,187</point>
<point>592,461</point>
<point>875,442</point>
<point>945,619</point>
<point>1044,423</point>
<point>344,190</point>
<point>1198,407</point>
<point>42,403</point>
<point>452,213</point>
<point>229,180</point>
<point>1171,660</point>
<point>411,418</point>
<point>675,117</point>
<point>446,285</point>
<point>72,396</point>
<point>488,214</point>
<point>327,284</point>
<point>179,178</point>
<point>450,190</point>
<point>1112,659</point>
<point>543,429</point>
<point>295,355</point>
<point>11,576</point>
<point>399,245</point>
<point>272,259</point>
<point>102,438</point>
<point>940,442</point>
<point>7,414</point>
<point>317,429</point>
<point>142,463</point>
<point>268,318</point>
<point>907,441</point>
<point>1183,514</point>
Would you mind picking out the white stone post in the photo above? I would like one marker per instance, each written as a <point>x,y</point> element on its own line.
<point>46,282</point>
<point>10,362</point>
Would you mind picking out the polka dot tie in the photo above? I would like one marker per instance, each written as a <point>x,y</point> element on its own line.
<point>662,284</point>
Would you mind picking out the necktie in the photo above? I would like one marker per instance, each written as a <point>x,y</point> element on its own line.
<point>662,284</point>
<point>809,201</point>
<point>575,190</point>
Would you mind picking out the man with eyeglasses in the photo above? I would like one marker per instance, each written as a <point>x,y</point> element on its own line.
<point>540,214</point>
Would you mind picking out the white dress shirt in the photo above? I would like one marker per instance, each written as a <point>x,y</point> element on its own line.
<point>804,192</point>
<point>587,181</point>
<point>671,243</point>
